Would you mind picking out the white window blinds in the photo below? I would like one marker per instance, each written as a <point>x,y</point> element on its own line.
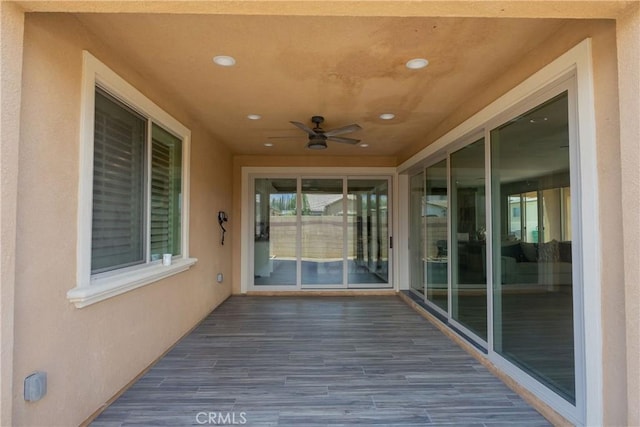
<point>166,184</point>
<point>117,238</point>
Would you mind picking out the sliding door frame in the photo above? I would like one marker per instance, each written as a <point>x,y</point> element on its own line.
<point>249,176</point>
<point>567,84</point>
<point>574,70</point>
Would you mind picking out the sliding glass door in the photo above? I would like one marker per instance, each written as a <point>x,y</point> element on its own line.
<point>275,231</point>
<point>468,239</point>
<point>437,230</point>
<point>368,231</point>
<point>416,235</point>
<point>533,282</point>
<point>505,284</point>
<point>322,227</point>
<point>321,233</point>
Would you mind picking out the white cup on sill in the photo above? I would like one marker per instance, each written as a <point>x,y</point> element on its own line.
<point>166,259</point>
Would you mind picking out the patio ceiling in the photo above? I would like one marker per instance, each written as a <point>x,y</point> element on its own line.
<point>348,69</point>
<point>340,59</point>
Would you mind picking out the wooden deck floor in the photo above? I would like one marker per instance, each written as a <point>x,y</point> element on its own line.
<point>318,361</point>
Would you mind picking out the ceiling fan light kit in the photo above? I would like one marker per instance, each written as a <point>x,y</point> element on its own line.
<point>316,143</point>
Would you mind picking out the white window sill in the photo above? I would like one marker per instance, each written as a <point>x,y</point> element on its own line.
<point>119,283</point>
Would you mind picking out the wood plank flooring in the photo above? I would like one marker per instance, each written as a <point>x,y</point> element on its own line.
<point>318,361</point>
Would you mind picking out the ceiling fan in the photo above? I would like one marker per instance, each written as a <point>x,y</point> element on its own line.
<point>318,137</point>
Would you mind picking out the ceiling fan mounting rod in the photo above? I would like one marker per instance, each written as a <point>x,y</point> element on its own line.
<point>317,120</point>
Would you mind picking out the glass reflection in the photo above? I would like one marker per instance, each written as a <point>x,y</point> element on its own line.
<point>416,237</point>
<point>437,259</point>
<point>532,261</point>
<point>468,237</point>
<point>323,207</point>
<point>367,236</point>
<point>275,228</point>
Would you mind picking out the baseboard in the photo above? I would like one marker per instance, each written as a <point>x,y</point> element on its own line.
<point>324,293</point>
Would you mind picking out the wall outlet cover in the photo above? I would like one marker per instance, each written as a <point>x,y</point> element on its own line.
<point>35,386</point>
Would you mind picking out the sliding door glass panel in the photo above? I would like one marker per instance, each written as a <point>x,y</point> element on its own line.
<point>417,216</point>
<point>322,213</point>
<point>468,239</point>
<point>533,285</point>
<point>437,260</point>
<point>368,232</point>
<point>275,232</point>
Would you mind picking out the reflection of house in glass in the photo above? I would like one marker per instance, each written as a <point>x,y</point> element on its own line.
<point>328,204</point>
<point>436,206</point>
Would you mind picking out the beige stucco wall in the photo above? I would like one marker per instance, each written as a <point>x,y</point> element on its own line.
<point>11,30</point>
<point>628,39</point>
<point>91,353</point>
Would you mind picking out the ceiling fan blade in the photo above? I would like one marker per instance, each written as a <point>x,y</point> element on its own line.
<point>304,127</point>
<point>345,129</point>
<point>343,140</point>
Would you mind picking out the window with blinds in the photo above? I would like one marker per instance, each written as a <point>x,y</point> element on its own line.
<point>166,182</point>
<point>137,184</point>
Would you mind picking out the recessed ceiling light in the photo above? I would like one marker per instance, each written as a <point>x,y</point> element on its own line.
<point>254,117</point>
<point>268,144</point>
<point>364,145</point>
<point>417,63</point>
<point>387,116</point>
<point>224,61</point>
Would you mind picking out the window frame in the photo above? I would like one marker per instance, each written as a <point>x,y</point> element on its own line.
<point>92,288</point>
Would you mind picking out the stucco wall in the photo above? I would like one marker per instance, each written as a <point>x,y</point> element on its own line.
<point>91,353</point>
<point>628,40</point>
<point>11,31</point>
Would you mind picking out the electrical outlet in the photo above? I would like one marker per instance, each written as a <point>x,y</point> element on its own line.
<point>219,278</point>
<point>35,386</point>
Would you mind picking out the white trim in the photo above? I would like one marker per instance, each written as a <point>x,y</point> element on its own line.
<point>345,235</point>
<point>541,391</point>
<point>587,268</point>
<point>125,281</point>
<point>400,226</point>
<point>488,250</point>
<point>590,247</point>
<point>90,289</point>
